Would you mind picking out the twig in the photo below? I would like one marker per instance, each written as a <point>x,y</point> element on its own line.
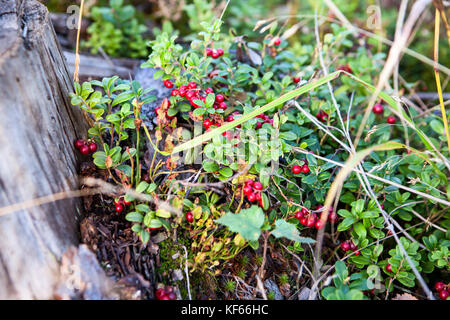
<point>186,271</point>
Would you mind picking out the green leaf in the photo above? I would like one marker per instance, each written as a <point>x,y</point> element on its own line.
<point>136,227</point>
<point>163,213</point>
<point>358,205</point>
<point>289,231</point>
<point>142,186</point>
<point>210,166</point>
<point>124,96</point>
<point>248,222</point>
<point>209,101</point>
<point>134,217</point>
<point>145,236</point>
<point>360,230</point>
<point>226,172</point>
<point>437,126</point>
<point>346,223</point>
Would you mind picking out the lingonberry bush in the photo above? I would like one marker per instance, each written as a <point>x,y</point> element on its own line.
<point>257,138</point>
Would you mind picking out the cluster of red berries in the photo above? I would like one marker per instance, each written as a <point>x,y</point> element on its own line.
<point>214,53</point>
<point>120,204</point>
<point>443,289</point>
<point>265,119</point>
<point>322,116</point>
<point>296,169</point>
<point>307,218</point>
<point>349,245</point>
<point>189,217</point>
<point>165,293</point>
<point>252,190</point>
<point>310,219</point>
<point>379,109</point>
<point>191,93</point>
<point>85,147</point>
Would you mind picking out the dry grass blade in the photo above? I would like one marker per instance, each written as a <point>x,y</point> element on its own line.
<point>77,55</point>
<point>438,81</point>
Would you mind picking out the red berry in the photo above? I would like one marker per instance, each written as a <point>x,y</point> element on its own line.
<point>258,196</point>
<point>251,197</point>
<point>357,253</point>
<point>298,215</point>
<point>220,98</point>
<point>168,84</point>
<point>345,246</point>
<point>223,105</point>
<point>319,224</point>
<point>378,109</point>
<point>79,143</point>
<point>192,85</point>
<point>296,169</point>
<point>277,41</point>
<point>303,221</point>
<point>208,51</point>
<point>247,190</point>
<point>164,298</point>
<point>439,286</point>
<point>332,217</point>
<point>249,182</point>
<point>220,51</point>
<point>389,268</point>
<point>322,116</point>
<point>310,222</point>
<point>304,211</point>
<point>189,217</point>
<point>119,207</point>
<point>229,118</point>
<point>160,293</point>
<point>190,94</point>
<point>353,246</point>
<point>391,120</point>
<point>257,186</point>
<point>296,79</point>
<point>207,123</point>
<point>259,125</point>
<point>84,150</point>
<point>209,90</point>
<point>215,54</point>
<point>92,147</point>
<point>305,168</point>
<point>444,294</point>
<point>174,92</point>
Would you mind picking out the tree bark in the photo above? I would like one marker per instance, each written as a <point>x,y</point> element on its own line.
<point>37,128</point>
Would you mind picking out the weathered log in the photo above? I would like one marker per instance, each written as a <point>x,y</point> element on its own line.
<point>97,67</point>
<point>37,128</point>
